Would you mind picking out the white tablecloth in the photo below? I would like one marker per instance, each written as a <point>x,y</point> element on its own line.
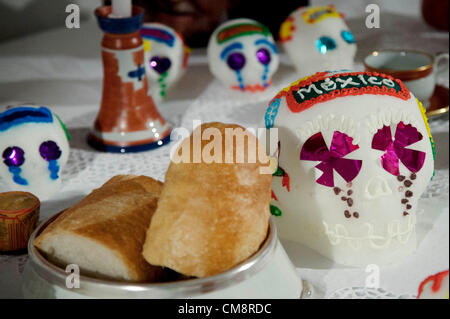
<point>62,69</point>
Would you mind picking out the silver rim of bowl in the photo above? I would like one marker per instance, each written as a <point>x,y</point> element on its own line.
<point>55,275</point>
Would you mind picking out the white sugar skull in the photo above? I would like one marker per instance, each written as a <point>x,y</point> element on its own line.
<point>34,148</point>
<point>318,39</point>
<point>242,55</point>
<point>354,154</point>
<point>166,57</point>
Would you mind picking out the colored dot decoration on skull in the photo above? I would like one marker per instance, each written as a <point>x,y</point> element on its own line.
<point>263,56</point>
<point>49,150</point>
<point>325,44</point>
<point>240,80</point>
<point>349,201</point>
<point>160,64</point>
<point>264,76</point>
<point>241,29</point>
<point>13,156</point>
<point>162,84</point>
<point>348,36</point>
<point>236,61</point>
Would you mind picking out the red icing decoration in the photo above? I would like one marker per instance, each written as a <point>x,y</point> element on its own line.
<point>286,182</point>
<point>252,88</point>
<point>273,196</point>
<point>437,282</point>
<point>296,107</point>
<point>291,29</point>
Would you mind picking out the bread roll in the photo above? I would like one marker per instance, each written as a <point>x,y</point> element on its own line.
<point>210,217</point>
<point>103,234</point>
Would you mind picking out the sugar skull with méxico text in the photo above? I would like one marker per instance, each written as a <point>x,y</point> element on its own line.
<point>354,156</point>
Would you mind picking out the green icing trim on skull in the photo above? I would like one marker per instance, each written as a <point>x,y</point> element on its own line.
<point>278,172</point>
<point>162,84</point>
<point>275,211</point>
<point>241,29</point>
<point>63,127</point>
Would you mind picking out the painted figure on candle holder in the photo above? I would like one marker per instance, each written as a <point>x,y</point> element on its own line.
<point>128,120</point>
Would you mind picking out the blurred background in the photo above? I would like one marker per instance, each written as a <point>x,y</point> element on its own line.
<point>42,60</point>
<point>196,19</point>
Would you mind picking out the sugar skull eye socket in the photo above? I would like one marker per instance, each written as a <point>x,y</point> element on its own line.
<point>348,36</point>
<point>236,61</point>
<point>325,44</point>
<point>396,149</point>
<point>263,56</point>
<point>160,64</point>
<point>13,156</point>
<point>50,151</point>
<point>333,158</point>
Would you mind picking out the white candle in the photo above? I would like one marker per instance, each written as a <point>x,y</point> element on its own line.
<point>121,9</point>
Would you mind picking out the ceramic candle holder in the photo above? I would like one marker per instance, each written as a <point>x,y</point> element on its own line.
<point>128,120</point>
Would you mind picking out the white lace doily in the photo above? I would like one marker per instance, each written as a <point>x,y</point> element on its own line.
<point>366,293</point>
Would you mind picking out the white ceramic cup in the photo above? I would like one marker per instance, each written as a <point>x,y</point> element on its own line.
<point>418,70</point>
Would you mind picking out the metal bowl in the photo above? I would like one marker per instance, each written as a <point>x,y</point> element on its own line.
<point>267,274</point>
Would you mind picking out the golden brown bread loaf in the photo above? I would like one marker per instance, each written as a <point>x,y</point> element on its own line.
<point>105,231</point>
<point>210,217</point>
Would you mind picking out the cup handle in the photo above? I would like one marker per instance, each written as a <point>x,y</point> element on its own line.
<point>441,67</point>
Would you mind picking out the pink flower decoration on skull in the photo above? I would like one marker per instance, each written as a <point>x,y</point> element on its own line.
<point>396,150</point>
<point>315,149</point>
